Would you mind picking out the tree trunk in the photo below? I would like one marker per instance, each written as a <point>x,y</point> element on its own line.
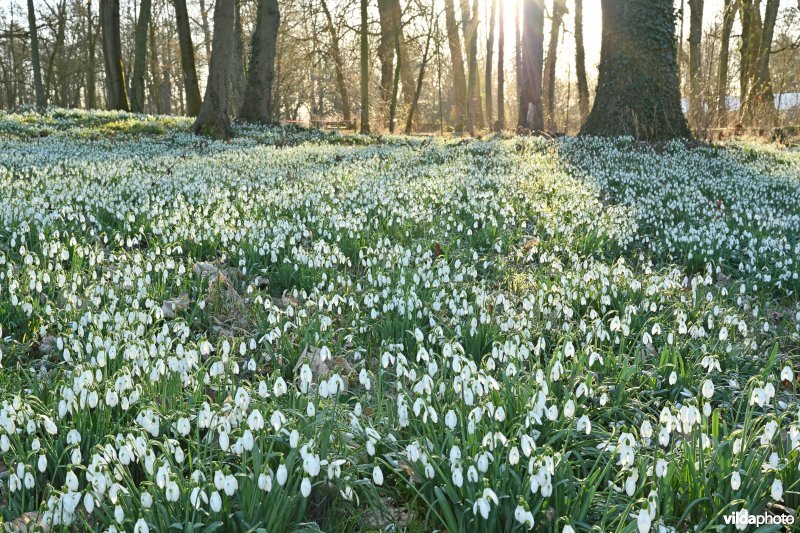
<point>237,79</point>
<point>500,125</point>
<point>190,82</point>
<point>385,50</point>
<point>475,107</point>
<point>155,100</point>
<point>117,97</point>
<point>456,57</point>
<point>425,57</point>
<point>559,9</point>
<point>396,79</point>
<point>364,64</point>
<point>580,62</point>
<point>531,116</point>
<point>213,117</point>
<point>91,67</point>
<point>758,102</point>
<point>41,97</point>
<point>258,94</point>
<point>695,78</point>
<point>338,64</point>
<point>637,90</point>
<point>518,60</point>
<point>724,53</point>
<point>206,28</point>
<point>140,57</point>
<point>487,83</point>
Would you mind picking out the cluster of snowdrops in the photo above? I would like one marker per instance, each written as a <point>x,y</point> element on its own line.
<point>297,330</point>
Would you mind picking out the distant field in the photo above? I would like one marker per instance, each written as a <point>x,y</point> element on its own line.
<point>300,330</point>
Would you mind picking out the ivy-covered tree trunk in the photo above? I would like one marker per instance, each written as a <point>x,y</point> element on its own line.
<point>213,119</point>
<point>257,105</point>
<point>637,90</point>
<point>696,109</point>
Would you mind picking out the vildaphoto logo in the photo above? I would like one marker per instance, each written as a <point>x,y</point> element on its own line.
<point>742,519</point>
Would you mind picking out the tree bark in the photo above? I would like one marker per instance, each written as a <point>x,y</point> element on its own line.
<point>206,27</point>
<point>475,107</point>
<point>91,61</point>
<point>364,64</point>
<point>637,90</point>
<point>501,88</point>
<point>191,85</point>
<point>559,9</point>
<point>695,78</point>
<point>396,78</point>
<point>155,91</point>
<point>117,97</point>
<point>531,115</point>
<point>385,50</point>
<point>140,57</point>
<point>41,97</point>
<point>758,102</point>
<point>425,57</point>
<point>338,64</point>
<point>456,58</point>
<point>580,63</point>
<point>213,118</point>
<point>257,105</point>
<point>237,79</point>
<point>722,73</point>
<point>487,83</point>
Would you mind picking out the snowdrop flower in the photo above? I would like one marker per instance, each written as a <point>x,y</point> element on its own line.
<point>377,475</point>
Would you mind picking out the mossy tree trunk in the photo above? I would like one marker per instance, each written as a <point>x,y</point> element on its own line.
<point>637,90</point>
<point>457,63</point>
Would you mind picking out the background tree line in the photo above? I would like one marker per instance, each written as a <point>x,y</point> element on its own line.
<point>410,65</point>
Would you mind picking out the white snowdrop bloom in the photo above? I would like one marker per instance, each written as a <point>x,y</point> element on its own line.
<point>723,334</point>
<point>472,474</point>
<point>458,477</point>
<point>643,521</point>
<point>146,499</point>
<point>119,514</point>
<point>584,424</point>
<point>568,529</point>
<point>49,426</point>
<point>279,388</point>
<point>88,502</point>
<point>183,426</point>
<point>708,389</point>
<point>673,378</point>
<point>265,481</point>
<point>71,481</point>
<point>41,464</point>
<point>450,419</point>
<point>173,492</point>
<point>513,456</point>
<point>230,485</point>
<point>787,374</point>
<point>569,409</point>
<point>277,420</point>
<point>305,487</point>
<point>282,474</point>
<point>377,475</point>
<point>736,480</point>
<point>661,468</point>
<point>776,490</point>
<point>215,502</point>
